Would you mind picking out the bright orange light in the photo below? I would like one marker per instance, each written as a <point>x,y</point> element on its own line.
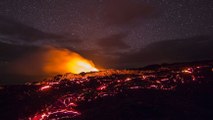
<point>188,71</point>
<point>63,61</point>
<point>79,64</point>
<point>45,88</point>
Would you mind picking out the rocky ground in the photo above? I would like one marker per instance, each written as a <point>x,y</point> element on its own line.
<point>177,91</point>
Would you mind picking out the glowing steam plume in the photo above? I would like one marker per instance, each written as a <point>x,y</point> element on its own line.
<point>62,60</point>
<point>49,61</point>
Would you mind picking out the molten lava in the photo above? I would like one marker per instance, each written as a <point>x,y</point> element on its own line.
<point>46,87</point>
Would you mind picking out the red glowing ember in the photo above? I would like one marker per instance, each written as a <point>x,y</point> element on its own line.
<point>188,70</point>
<point>46,87</point>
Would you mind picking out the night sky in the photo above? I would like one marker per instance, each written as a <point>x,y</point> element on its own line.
<point>112,33</point>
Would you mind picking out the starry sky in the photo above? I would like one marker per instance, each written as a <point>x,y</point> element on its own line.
<point>112,33</point>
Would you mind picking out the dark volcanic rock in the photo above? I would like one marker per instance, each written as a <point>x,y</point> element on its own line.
<point>178,91</point>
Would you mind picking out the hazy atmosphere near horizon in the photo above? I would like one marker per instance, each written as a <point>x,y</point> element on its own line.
<point>36,35</point>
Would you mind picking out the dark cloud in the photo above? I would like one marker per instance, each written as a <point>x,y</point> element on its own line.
<point>121,12</point>
<point>102,59</point>
<point>13,51</point>
<point>17,30</point>
<point>108,50</point>
<point>190,49</point>
<point>14,32</point>
<point>113,42</point>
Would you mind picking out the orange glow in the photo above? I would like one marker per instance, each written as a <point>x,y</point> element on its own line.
<point>45,88</point>
<point>188,71</point>
<point>64,61</point>
<point>80,64</point>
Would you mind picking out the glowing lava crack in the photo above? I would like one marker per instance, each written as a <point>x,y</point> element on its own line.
<point>75,89</point>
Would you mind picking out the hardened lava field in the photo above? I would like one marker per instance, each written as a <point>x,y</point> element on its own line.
<point>178,91</point>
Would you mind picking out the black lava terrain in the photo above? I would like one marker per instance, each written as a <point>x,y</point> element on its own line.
<point>158,92</point>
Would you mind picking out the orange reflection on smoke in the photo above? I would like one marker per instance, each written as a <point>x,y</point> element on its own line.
<point>63,61</point>
<point>79,64</point>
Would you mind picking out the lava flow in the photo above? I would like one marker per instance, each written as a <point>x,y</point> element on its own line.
<point>111,93</point>
<point>78,89</point>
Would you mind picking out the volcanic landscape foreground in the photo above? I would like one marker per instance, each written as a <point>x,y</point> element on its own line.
<point>169,91</point>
